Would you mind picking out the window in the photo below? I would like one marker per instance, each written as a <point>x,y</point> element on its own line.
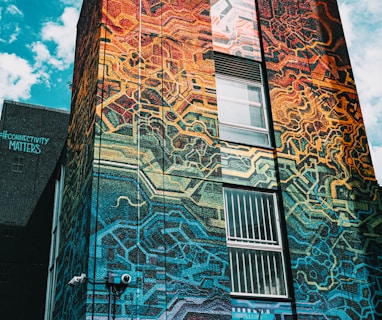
<point>18,164</point>
<point>241,101</point>
<point>4,273</point>
<point>54,247</point>
<point>9,229</point>
<point>254,243</point>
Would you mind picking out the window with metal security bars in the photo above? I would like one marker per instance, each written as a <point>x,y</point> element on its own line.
<point>241,101</point>
<point>254,243</point>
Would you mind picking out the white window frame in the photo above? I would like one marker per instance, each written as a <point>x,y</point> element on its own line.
<point>249,73</point>
<point>255,249</point>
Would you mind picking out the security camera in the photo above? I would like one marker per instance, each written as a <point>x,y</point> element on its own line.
<point>77,279</point>
<point>74,281</point>
<point>118,279</point>
<point>125,278</point>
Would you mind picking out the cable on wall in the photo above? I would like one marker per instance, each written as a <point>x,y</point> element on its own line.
<point>138,289</point>
<point>163,160</point>
<point>103,55</point>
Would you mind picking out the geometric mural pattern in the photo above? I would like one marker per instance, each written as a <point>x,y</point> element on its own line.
<point>170,269</point>
<point>158,202</point>
<point>75,218</point>
<point>145,156</point>
<point>328,186</point>
<point>248,166</point>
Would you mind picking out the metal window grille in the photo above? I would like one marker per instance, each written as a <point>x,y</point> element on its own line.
<point>254,241</point>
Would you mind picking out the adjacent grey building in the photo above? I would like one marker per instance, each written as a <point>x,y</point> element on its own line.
<point>31,143</point>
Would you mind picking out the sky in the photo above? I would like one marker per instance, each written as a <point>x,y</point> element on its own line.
<point>37,40</point>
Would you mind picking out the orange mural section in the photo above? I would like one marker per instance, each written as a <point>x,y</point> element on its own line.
<point>156,77</point>
<point>314,102</point>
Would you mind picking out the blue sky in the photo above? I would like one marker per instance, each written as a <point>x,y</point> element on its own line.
<point>36,50</point>
<point>37,39</point>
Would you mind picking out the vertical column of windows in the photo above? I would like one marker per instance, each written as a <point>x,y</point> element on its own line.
<point>254,238</point>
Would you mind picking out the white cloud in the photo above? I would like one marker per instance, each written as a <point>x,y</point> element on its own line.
<point>12,9</point>
<point>16,77</point>
<point>10,19</point>
<point>347,22</point>
<point>362,22</point>
<point>62,34</point>
<point>376,153</point>
<point>373,8</point>
<point>43,57</point>
<point>73,3</point>
<point>14,35</point>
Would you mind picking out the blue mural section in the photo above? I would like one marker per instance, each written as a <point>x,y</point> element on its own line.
<point>336,257</point>
<point>179,267</point>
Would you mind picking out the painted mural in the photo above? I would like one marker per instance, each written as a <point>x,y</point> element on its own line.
<point>152,185</point>
<point>70,303</point>
<point>326,176</point>
<point>329,191</point>
<point>248,166</point>
<point>158,202</point>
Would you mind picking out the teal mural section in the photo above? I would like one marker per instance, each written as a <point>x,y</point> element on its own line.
<point>178,265</point>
